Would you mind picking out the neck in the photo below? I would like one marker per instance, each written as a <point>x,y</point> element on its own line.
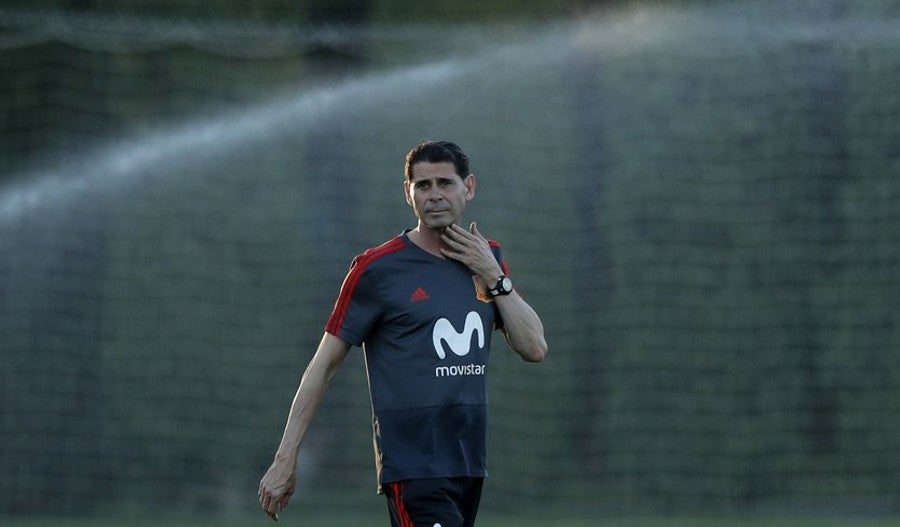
<point>427,239</point>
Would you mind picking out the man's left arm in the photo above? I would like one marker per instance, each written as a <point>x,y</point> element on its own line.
<point>522,327</point>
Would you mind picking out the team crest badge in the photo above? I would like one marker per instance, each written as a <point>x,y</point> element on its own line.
<point>481,290</point>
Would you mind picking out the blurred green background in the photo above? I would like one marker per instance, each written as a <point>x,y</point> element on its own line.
<point>699,198</point>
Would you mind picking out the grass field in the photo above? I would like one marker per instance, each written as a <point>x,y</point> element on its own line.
<point>352,521</point>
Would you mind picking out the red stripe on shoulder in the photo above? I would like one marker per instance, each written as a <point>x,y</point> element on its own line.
<point>496,245</point>
<point>360,263</point>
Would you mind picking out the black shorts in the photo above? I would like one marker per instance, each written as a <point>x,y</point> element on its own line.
<point>434,502</point>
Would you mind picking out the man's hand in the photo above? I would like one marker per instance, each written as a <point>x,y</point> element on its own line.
<point>277,487</point>
<point>472,249</point>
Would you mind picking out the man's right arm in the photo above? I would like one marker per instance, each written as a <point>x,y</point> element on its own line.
<point>277,486</point>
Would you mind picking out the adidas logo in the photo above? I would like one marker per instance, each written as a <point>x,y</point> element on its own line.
<point>418,295</point>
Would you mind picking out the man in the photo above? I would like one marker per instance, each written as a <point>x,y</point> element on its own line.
<point>422,306</point>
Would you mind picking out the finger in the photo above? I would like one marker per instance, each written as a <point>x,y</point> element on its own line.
<point>460,232</point>
<point>451,254</point>
<point>452,237</point>
<point>454,243</point>
<point>272,510</point>
<point>270,503</point>
<point>473,228</point>
<point>459,257</point>
<point>452,232</point>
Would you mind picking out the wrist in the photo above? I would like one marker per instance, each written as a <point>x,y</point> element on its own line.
<point>284,457</point>
<point>491,276</point>
<point>501,286</point>
<point>491,279</point>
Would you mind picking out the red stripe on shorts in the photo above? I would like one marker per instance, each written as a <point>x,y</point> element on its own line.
<point>397,491</point>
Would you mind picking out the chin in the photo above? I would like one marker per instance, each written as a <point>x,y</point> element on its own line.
<point>438,225</point>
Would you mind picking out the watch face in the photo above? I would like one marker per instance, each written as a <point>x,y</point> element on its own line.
<point>506,284</point>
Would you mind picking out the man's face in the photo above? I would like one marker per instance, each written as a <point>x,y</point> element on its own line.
<point>437,194</point>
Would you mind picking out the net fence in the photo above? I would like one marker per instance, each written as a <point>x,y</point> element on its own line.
<point>700,200</point>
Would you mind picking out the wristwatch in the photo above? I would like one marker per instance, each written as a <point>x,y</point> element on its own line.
<point>504,286</point>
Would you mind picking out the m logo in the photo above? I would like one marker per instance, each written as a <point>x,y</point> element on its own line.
<point>445,333</point>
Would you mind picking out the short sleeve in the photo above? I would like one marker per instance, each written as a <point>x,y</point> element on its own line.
<point>357,309</point>
<point>498,254</point>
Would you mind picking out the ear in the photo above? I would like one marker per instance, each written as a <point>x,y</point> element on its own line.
<point>406,192</point>
<point>470,182</point>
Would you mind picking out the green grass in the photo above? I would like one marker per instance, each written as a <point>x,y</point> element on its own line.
<point>487,521</point>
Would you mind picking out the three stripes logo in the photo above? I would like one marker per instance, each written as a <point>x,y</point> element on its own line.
<point>418,295</point>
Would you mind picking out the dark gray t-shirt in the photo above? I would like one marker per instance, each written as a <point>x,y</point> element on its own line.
<point>425,326</point>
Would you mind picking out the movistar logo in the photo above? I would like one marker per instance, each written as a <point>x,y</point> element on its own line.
<point>445,333</point>
<point>459,343</point>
